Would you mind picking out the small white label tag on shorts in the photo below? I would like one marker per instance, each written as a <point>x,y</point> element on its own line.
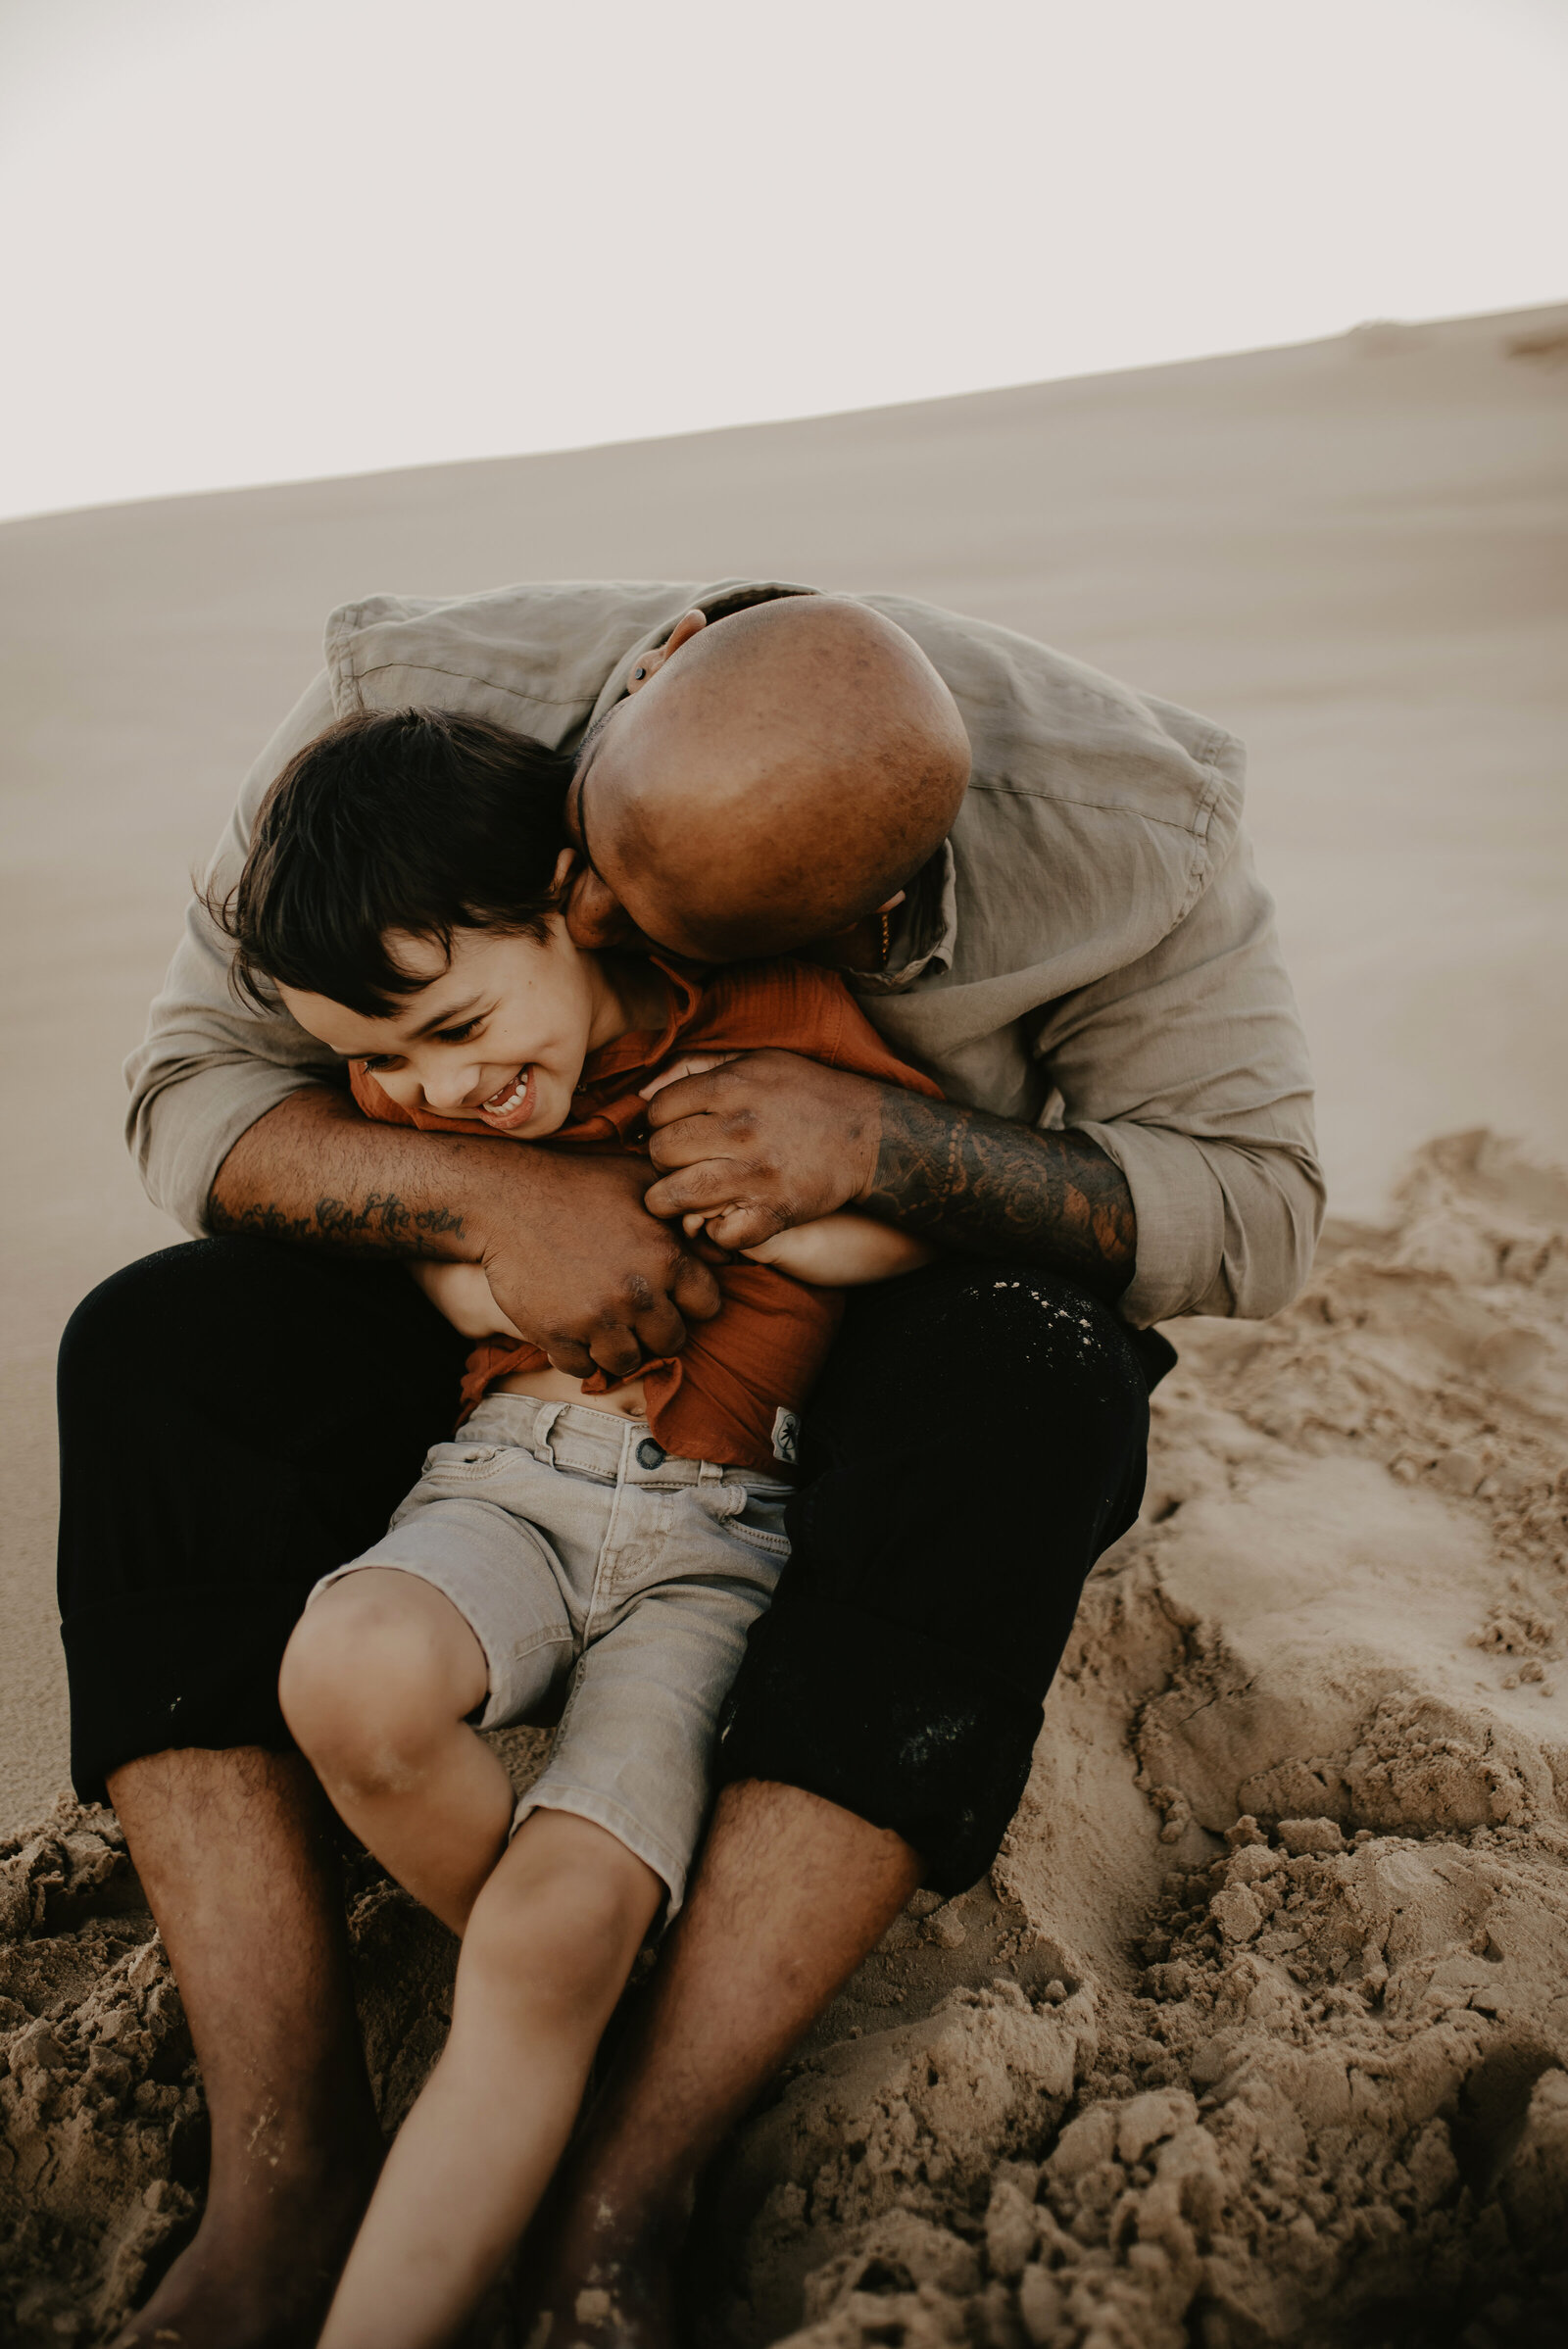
<point>786,1436</point>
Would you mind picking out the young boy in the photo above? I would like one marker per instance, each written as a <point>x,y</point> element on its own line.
<point>402,895</point>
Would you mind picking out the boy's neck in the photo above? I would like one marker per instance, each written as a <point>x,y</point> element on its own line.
<point>629,994</point>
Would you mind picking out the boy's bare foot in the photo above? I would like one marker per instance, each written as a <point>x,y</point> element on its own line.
<point>264,2289</point>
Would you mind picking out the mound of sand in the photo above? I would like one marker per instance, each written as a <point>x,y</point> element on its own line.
<point>1258,2031</point>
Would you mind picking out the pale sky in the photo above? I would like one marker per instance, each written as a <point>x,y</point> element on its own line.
<point>254,240</point>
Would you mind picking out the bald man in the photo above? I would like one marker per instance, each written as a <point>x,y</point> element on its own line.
<point>1036,882</point>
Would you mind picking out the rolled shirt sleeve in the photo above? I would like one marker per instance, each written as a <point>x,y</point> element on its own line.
<point>210,1063</point>
<point>1189,1068</point>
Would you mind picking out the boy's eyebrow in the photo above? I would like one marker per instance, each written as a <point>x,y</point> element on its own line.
<point>448,1017</point>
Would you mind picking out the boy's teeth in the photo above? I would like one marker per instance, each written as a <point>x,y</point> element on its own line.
<point>509,1101</point>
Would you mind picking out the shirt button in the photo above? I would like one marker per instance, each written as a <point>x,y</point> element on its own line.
<point>650,1454</point>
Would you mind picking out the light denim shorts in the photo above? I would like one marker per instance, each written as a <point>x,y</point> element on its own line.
<point>583,1554</point>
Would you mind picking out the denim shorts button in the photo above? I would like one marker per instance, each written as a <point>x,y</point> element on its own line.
<point>650,1454</point>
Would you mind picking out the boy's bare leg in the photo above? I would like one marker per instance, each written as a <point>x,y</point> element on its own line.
<point>234,1849</point>
<point>376,1685</point>
<point>792,1893</point>
<point>550,1943</point>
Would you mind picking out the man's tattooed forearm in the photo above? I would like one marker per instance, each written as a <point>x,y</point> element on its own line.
<point>379,1220</point>
<point>987,1188</point>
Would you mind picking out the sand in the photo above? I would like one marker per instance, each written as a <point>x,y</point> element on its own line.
<point>1257,2032</point>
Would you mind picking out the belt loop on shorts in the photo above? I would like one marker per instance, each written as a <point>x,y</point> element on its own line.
<point>708,1472</point>
<point>549,1413</point>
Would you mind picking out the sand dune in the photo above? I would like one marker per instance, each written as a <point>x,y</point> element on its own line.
<point>1257,2032</point>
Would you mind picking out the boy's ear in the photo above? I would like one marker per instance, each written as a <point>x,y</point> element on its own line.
<point>649,666</point>
<point>564,866</point>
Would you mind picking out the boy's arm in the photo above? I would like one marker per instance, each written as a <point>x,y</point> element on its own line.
<point>841,1251</point>
<point>464,1294</point>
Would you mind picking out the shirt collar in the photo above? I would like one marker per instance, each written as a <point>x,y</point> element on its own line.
<point>645,1048</point>
<point>925,931</point>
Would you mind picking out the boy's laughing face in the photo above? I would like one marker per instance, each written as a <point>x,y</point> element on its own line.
<point>497,1033</point>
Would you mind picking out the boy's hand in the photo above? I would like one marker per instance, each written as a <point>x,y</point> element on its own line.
<point>759,1143</point>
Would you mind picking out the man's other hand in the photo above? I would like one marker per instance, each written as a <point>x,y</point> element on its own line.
<point>582,1268</point>
<point>761,1142</point>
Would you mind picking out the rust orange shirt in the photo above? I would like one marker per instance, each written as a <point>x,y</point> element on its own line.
<point>721,1397</point>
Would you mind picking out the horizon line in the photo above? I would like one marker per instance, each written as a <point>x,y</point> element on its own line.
<point>814,415</point>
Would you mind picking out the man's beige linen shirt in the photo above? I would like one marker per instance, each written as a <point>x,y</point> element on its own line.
<point>1093,947</point>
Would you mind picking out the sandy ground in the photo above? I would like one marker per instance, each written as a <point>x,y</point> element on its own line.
<point>1256,2032</point>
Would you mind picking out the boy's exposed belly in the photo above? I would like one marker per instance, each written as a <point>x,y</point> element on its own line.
<point>549,1386</point>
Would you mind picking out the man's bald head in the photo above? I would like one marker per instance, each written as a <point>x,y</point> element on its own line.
<point>777,777</point>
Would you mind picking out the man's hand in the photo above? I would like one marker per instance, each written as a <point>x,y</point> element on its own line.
<point>767,1141</point>
<point>574,1257</point>
<point>761,1142</point>
<point>579,1266</point>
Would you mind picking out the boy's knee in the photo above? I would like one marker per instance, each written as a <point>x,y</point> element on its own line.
<point>359,1689</point>
<point>574,1927</point>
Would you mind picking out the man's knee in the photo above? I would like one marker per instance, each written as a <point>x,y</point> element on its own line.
<point>121,1328</point>
<point>1001,1360</point>
<point>1030,1335</point>
<point>1003,1324</point>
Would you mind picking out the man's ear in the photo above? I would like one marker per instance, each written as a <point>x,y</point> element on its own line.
<point>596,918</point>
<point>686,627</point>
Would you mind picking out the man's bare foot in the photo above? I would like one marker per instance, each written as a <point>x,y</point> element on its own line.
<point>604,2300</point>
<point>264,2289</point>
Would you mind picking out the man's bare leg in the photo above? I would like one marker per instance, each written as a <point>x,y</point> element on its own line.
<point>792,1893</point>
<point>234,1850</point>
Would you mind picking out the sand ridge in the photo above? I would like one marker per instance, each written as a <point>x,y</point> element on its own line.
<point>1258,2031</point>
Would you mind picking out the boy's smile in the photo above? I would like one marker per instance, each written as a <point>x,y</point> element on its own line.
<point>510,1111</point>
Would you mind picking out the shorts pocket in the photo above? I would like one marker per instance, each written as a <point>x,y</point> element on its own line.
<point>463,1463</point>
<point>762,1523</point>
<point>771,1545</point>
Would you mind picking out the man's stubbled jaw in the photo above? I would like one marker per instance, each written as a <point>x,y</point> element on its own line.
<point>774,778</point>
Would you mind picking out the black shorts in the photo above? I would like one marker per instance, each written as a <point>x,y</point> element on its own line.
<point>237,1418</point>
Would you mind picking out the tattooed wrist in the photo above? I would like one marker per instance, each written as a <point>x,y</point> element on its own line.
<point>985,1186</point>
<point>380,1219</point>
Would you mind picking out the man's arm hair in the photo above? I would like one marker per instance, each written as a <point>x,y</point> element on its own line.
<point>985,1186</point>
<point>314,1171</point>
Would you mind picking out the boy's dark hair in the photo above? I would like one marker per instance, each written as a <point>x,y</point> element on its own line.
<point>416,822</point>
